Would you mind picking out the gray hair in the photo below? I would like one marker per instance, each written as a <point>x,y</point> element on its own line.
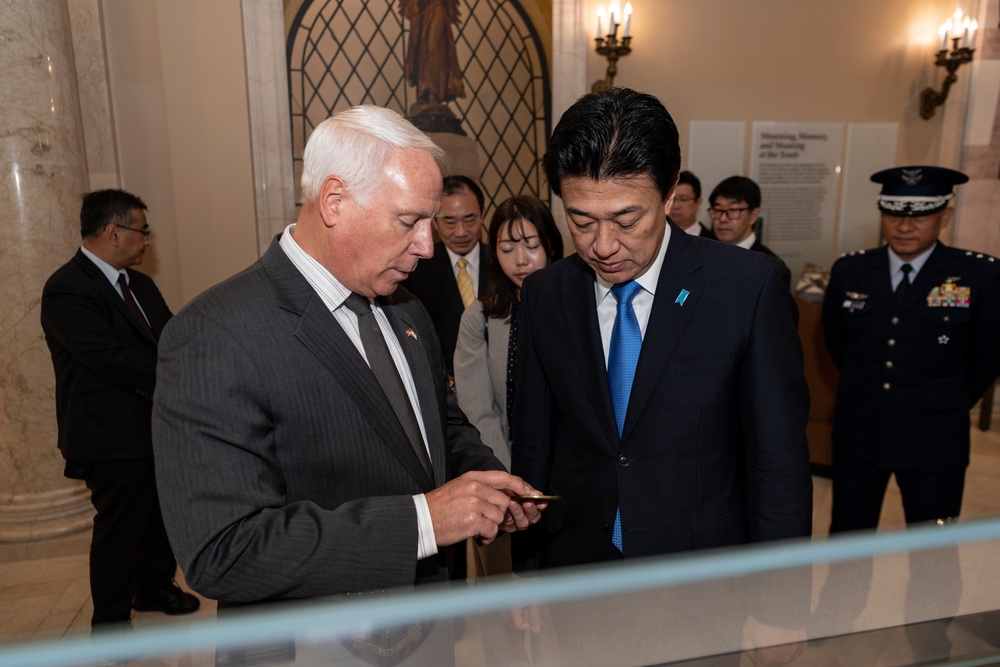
<point>356,145</point>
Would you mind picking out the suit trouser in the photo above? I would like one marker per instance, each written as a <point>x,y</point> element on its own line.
<point>859,488</point>
<point>129,551</point>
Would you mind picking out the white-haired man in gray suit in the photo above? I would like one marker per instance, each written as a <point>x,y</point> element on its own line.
<point>289,465</point>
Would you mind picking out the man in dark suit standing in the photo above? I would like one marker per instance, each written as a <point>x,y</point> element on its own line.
<point>687,204</point>
<point>101,321</point>
<point>307,442</point>
<point>914,327</point>
<point>661,392</point>
<point>735,209</point>
<point>456,275</point>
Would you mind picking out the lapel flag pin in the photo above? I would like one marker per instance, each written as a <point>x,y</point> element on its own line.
<point>682,297</point>
<point>409,332</point>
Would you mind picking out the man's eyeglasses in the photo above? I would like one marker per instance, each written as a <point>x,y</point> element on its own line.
<point>727,213</point>
<point>684,200</point>
<point>144,232</point>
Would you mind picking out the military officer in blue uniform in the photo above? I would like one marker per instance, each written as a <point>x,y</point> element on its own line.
<point>914,327</point>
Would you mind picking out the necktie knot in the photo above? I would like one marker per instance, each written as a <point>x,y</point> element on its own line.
<point>906,268</point>
<point>462,263</point>
<point>625,292</point>
<point>358,304</point>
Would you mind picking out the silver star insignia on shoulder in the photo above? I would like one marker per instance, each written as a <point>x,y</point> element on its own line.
<point>943,340</point>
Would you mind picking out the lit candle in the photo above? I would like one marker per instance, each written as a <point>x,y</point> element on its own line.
<point>628,18</point>
<point>600,17</point>
<point>613,8</point>
<point>965,32</point>
<point>942,31</point>
<point>973,27</point>
<point>947,34</point>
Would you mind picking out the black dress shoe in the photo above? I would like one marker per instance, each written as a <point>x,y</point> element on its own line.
<point>169,599</point>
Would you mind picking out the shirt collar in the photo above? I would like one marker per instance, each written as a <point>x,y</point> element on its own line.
<point>110,272</point>
<point>895,263</point>
<point>647,280</point>
<point>748,241</point>
<point>330,290</point>
<point>472,257</point>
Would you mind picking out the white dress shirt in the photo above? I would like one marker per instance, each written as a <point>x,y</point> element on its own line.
<point>111,273</point>
<point>334,294</point>
<point>748,241</point>
<point>642,303</point>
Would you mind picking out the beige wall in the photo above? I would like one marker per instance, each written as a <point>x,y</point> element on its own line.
<point>179,94</point>
<point>851,60</point>
<point>179,97</point>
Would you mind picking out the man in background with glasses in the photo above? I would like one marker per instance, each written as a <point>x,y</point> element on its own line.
<point>687,204</point>
<point>914,327</point>
<point>102,321</point>
<point>735,209</point>
<point>456,275</point>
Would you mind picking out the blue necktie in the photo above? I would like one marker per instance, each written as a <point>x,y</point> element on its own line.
<point>623,355</point>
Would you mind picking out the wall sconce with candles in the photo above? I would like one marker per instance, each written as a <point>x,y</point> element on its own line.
<point>608,45</point>
<point>962,34</point>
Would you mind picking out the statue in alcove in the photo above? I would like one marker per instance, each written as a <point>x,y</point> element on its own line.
<point>432,63</point>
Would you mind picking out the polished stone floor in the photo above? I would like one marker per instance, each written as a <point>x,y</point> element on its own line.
<point>44,590</point>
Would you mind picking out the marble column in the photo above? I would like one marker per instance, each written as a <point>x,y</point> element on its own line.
<point>43,174</point>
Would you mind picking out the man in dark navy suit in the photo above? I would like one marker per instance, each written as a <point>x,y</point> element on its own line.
<point>914,327</point>
<point>102,321</point>
<point>735,209</point>
<point>449,281</point>
<point>687,204</point>
<point>661,391</point>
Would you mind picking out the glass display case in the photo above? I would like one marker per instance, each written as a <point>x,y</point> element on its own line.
<point>926,595</point>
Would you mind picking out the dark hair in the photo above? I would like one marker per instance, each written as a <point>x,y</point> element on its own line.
<point>737,188</point>
<point>616,133</point>
<point>458,184</point>
<point>501,294</point>
<point>687,178</point>
<point>103,207</point>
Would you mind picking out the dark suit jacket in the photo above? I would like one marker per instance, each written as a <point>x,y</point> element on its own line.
<point>914,414</point>
<point>104,362</point>
<point>760,247</point>
<point>713,451</point>
<point>433,282</point>
<point>282,469</point>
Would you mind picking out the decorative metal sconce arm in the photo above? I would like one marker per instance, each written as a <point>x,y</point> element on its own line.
<point>930,98</point>
<point>612,49</point>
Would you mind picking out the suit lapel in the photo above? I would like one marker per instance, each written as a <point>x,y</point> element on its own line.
<point>441,270</point>
<point>109,292</point>
<point>580,310</point>
<point>423,378</point>
<point>322,335</point>
<point>667,321</point>
<point>149,300</point>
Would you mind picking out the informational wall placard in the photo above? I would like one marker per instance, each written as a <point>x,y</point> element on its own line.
<point>870,147</point>
<point>715,151</point>
<point>797,165</point>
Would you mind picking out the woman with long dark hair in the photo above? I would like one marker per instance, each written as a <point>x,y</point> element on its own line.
<point>523,238</point>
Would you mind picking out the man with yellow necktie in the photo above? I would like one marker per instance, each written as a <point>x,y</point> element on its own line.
<point>457,274</point>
